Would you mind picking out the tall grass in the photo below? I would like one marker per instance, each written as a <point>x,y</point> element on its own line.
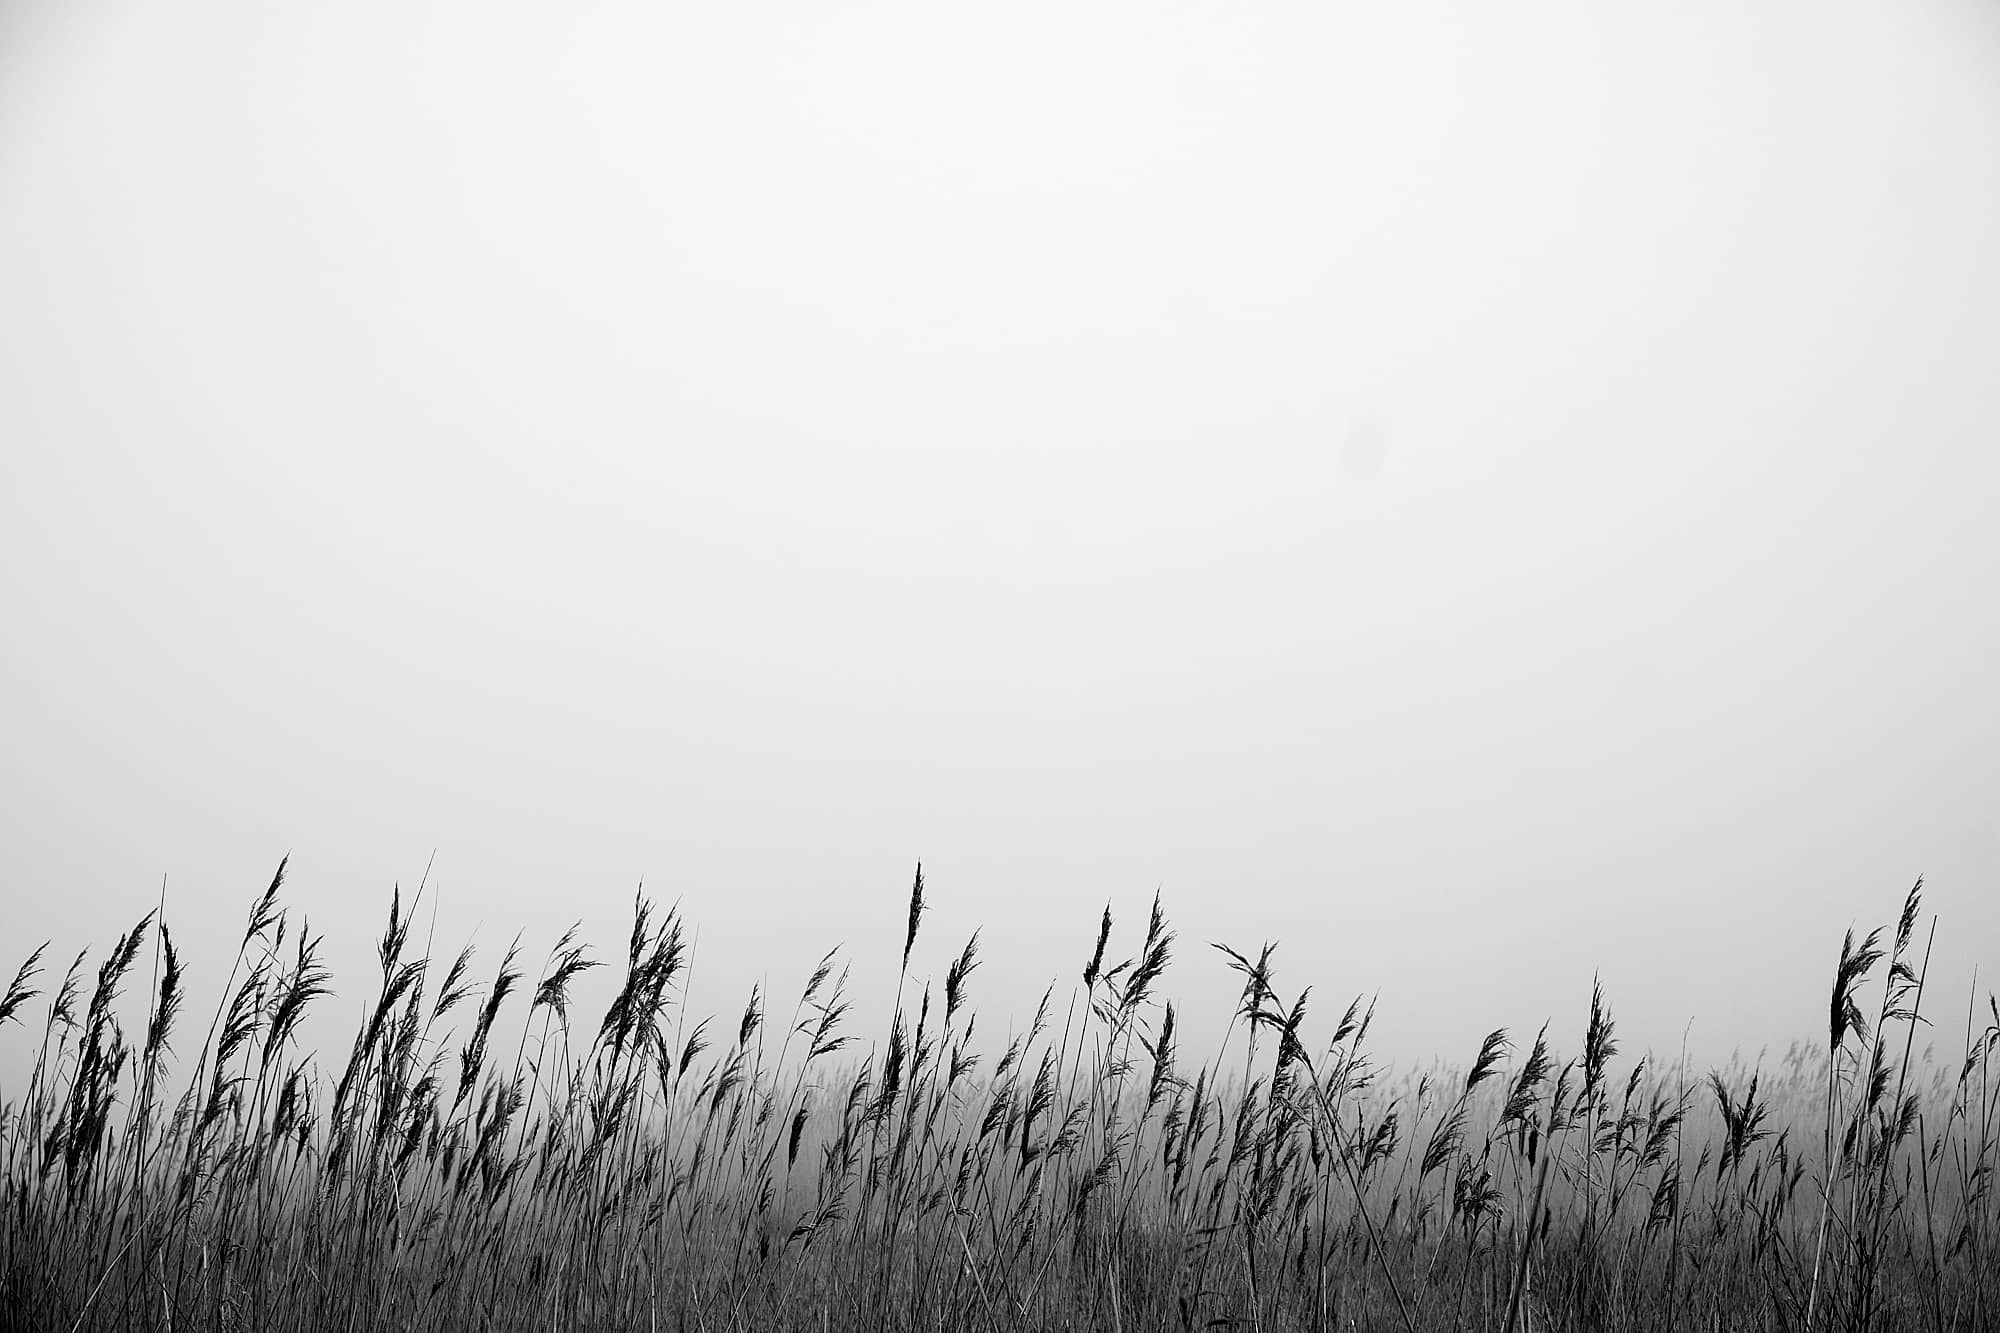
<point>655,1169</point>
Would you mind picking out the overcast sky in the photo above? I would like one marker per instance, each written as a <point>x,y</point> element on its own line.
<point>1486,494</point>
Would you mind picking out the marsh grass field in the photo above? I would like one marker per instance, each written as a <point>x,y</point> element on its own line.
<point>485,1155</point>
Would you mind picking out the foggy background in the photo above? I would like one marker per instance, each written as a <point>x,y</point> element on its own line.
<point>1486,495</point>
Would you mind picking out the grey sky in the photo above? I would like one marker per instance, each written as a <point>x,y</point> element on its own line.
<point>1485,494</point>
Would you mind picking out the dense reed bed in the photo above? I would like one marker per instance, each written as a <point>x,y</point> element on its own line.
<point>648,1168</point>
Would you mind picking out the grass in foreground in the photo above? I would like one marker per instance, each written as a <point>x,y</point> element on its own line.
<point>659,1172</point>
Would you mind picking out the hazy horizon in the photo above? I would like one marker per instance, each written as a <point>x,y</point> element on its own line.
<point>1485,498</point>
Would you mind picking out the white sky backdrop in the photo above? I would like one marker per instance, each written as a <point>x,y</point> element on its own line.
<point>1482,493</point>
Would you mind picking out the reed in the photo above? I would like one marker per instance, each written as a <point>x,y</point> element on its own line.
<point>665,1169</point>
